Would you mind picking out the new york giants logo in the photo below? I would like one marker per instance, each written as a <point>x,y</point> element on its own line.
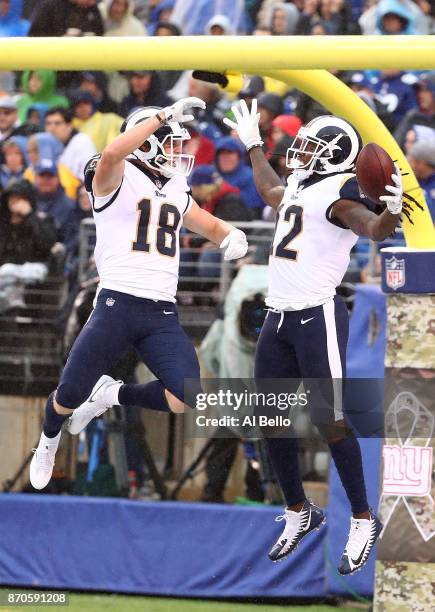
<point>407,470</point>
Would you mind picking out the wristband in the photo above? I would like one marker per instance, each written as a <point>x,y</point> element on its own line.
<point>257,144</point>
<point>160,119</point>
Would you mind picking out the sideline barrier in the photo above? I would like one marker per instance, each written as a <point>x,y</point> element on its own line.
<point>162,548</point>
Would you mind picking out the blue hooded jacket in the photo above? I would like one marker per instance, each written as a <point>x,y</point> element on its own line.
<point>11,24</point>
<point>242,177</point>
<point>394,6</point>
<point>5,174</point>
<point>155,14</point>
<point>49,147</point>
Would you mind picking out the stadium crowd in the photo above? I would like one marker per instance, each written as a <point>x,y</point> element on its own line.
<point>51,123</point>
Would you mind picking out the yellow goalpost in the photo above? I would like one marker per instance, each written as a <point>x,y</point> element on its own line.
<point>299,61</point>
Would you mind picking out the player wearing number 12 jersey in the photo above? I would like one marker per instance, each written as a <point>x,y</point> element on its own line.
<point>140,199</point>
<point>319,216</point>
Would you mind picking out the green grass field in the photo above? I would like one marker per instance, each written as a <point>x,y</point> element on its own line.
<point>126,603</point>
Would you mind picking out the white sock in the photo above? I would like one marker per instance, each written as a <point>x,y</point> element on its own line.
<point>111,393</point>
<point>49,441</point>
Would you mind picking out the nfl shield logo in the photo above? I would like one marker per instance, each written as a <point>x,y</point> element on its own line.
<point>395,272</point>
<point>110,301</point>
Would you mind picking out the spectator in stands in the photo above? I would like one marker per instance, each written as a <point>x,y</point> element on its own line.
<point>231,165</point>
<point>14,154</point>
<point>161,12</point>
<point>11,23</point>
<point>219,25</point>
<point>394,89</point>
<point>43,147</point>
<point>215,195</point>
<point>393,17</point>
<point>278,162</point>
<point>364,88</point>
<point>119,20</point>
<point>284,125</point>
<point>10,125</point>
<point>26,238</point>
<point>79,148</point>
<point>424,113</point>
<point>368,21</point>
<point>199,145</point>
<point>253,86</point>
<point>422,160</point>
<point>269,106</point>
<point>221,199</point>
<point>82,210</point>
<point>67,18</point>
<point>39,87</point>
<point>284,19</point>
<point>8,117</point>
<point>52,200</point>
<point>35,115</point>
<point>209,119</point>
<point>96,83</point>
<point>145,90</point>
<point>7,83</point>
<point>417,133</point>
<point>166,28</point>
<point>193,15</point>
<point>101,128</point>
<point>327,17</point>
<point>428,21</point>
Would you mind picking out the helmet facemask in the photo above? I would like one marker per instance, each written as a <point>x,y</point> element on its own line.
<point>317,151</point>
<point>170,159</point>
<point>162,151</point>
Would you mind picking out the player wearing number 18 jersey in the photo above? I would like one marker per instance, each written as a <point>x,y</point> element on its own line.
<point>140,199</point>
<point>319,216</point>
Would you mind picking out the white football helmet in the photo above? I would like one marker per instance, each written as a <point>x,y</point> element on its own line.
<point>153,153</point>
<point>332,143</point>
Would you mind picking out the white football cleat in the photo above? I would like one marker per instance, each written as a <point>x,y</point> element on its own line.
<point>297,526</point>
<point>362,537</point>
<point>42,464</point>
<point>96,405</point>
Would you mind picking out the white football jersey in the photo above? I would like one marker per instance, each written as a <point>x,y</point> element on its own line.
<point>138,228</point>
<point>310,254</point>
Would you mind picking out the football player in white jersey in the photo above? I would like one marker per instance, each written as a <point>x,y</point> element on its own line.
<point>140,199</point>
<point>319,216</point>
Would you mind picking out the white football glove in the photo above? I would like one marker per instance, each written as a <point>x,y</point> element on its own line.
<point>394,201</point>
<point>246,124</point>
<point>177,111</point>
<point>235,245</point>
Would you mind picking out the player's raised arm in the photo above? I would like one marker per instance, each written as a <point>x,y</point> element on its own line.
<point>364,222</point>
<point>267,182</point>
<point>110,168</point>
<point>221,233</point>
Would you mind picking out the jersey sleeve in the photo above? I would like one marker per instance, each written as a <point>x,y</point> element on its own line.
<point>349,190</point>
<point>100,203</point>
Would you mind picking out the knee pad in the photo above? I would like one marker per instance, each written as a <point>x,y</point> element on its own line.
<point>71,395</point>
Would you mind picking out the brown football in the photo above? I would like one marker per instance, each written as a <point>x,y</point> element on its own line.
<point>374,168</point>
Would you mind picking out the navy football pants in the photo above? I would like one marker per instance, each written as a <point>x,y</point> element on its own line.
<point>309,343</point>
<point>120,320</point>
